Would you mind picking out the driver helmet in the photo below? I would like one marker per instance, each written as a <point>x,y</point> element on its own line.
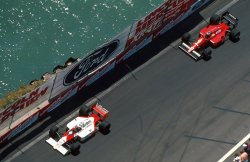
<point>208,34</point>
<point>77,128</point>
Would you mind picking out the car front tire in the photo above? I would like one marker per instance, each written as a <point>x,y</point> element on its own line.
<point>207,54</point>
<point>53,131</point>
<point>74,148</point>
<point>186,37</point>
<point>215,19</point>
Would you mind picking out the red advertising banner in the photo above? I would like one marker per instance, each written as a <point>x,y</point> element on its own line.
<point>22,103</point>
<point>18,128</point>
<point>157,23</point>
<point>28,101</point>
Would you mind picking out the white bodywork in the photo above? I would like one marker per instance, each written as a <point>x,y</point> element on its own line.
<point>87,126</point>
<point>57,145</point>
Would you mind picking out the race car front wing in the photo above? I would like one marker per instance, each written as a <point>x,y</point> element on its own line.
<point>60,148</point>
<point>194,54</point>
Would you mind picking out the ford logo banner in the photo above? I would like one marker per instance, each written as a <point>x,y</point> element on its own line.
<point>90,63</point>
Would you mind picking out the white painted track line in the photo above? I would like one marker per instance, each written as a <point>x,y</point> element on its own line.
<point>230,152</point>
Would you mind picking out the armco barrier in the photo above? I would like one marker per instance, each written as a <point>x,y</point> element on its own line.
<point>92,67</point>
<point>26,102</point>
<point>22,123</point>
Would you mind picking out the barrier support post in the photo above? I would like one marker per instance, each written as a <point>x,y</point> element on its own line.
<point>12,116</point>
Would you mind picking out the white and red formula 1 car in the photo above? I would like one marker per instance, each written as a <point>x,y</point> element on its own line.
<point>89,121</point>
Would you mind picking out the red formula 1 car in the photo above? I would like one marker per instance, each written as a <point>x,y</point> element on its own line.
<point>214,34</point>
<point>89,121</point>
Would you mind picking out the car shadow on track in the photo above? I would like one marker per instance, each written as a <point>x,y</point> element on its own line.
<point>122,69</point>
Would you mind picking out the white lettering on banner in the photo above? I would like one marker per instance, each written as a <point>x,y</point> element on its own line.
<point>23,103</point>
<point>151,26</point>
<point>156,20</point>
<point>88,65</point>
<point>195,6</point>
<point>91,62</point>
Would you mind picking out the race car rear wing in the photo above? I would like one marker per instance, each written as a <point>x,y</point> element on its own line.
<point>230,19</point>
<point>101,110</point>
<point>60,148</point>
<point>194,54</point>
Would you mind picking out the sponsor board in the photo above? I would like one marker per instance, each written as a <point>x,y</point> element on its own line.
<point>87,66</point>
<point>20,127</point>
<point>134,49</point>
<point>26,101</point>
<point>90,63</point>
<point>100,72</point>
<point>53,104</point>
<point>56,102</point>
<point>195,5</point>
<point>151,26</point>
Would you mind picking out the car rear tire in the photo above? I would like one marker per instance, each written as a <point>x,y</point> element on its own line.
<point>84,110</point>
<point>215,19</point>
<point>74,148</point>
<point>104,127</point>
<point>186,37</point>
<point>234,35</point>
<point>207,54</point>
<point>53,131</point>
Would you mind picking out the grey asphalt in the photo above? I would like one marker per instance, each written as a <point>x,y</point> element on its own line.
<point>174,109</point>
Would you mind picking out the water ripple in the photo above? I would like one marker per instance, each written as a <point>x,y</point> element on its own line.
<point>35,36</point>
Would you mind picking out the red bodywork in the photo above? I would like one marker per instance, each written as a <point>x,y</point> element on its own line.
<point>211,35</point>
<point>69,135</point>
<point>101,111</point>
<point>99,114</point>
<point>81,128</point>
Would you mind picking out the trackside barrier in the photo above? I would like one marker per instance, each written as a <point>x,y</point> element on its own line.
<point>97,63</point>
<point>17,114</point>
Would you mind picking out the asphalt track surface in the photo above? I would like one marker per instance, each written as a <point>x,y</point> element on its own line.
<point>173,109</point>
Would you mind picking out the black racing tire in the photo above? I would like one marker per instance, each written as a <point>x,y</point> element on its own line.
<point>206,54</point>
<point>234,35</point>
<point>214,19</point>
<point>84,110</point>
<point>53,131</point>
<point>74,148</point>
<point>104,127</point>
<point>186,37</point>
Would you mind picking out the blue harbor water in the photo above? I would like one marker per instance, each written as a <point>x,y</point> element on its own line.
<point>35,36</point>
